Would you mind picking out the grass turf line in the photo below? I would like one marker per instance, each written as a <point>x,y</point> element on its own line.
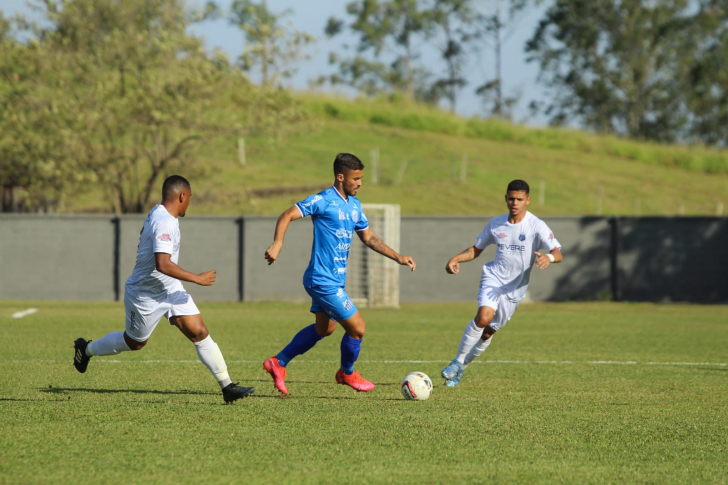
<point>165,421</point>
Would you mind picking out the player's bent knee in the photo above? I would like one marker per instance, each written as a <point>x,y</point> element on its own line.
<point>483,321</point>
<point>134,344</point>
<point>488,332</point>
<point>357,333</point>
<point>325,332</point>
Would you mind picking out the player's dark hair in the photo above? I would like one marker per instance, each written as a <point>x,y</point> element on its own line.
<point>345,162</point>
<point>518,186</point>
<point>174,185</point>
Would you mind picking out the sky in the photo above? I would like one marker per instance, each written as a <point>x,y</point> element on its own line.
<point>311,17</point>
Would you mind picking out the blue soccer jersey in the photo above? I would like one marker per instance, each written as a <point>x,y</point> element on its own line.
<point>334,222</point>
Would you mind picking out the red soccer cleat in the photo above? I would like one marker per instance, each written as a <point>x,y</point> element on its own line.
<point>354,380</point>
<point>277,372</point>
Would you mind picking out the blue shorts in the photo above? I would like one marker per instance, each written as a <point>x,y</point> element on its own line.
<point>332,301</point>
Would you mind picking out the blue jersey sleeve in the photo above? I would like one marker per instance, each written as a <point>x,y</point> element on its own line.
<point>313,204</point>
<point>361,222</point>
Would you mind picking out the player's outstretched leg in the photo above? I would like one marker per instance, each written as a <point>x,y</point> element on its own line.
<point>209,353</point>
<point>302,342</point>
<point>277,372</point>
<point>476,352</point>
<point>80,358</point>
<point>471,335</point>
<point>232,392</point>
<point>110,344</point>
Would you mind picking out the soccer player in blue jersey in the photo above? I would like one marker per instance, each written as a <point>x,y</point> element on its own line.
<point>336,215</point>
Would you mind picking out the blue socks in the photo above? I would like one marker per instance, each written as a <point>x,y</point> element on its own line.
<point>307,338</point>
<point>350,348</point>
<point>301,343</point>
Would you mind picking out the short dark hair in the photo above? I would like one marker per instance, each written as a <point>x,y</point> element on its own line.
<point>173,185</point>
<point>345,162</point>
<point>518,186</point>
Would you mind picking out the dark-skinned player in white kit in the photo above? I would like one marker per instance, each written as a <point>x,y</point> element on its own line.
<point>154,290</point>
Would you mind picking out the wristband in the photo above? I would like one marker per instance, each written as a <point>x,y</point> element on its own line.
<point>551,257</point>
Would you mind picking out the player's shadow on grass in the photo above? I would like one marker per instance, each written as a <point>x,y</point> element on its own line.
<point>57,390</point>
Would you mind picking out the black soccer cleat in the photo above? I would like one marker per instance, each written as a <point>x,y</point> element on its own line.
<point>232,392</point>
<point>80,359</point>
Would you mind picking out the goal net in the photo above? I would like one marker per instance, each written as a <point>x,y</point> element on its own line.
<point>373,280</point>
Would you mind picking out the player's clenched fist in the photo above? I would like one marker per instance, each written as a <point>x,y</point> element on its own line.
<point>271,254</point>
<point>207,278</point>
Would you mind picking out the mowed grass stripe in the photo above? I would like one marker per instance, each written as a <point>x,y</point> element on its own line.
<point>615,413</point>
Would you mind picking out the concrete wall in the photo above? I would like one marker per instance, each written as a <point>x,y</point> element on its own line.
<point>56,258</point>
<point>639,259</point>
<point>432,241</point>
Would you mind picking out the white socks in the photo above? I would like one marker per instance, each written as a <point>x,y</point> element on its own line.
<point>110,344</point>
<point>476,352</point>
<point>210,355</point>
<point>471,336</point>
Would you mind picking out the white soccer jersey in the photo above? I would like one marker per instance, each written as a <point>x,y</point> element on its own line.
<point>510,271</point>
<point>160,234</point>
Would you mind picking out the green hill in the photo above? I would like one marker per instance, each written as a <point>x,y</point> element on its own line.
<point>421,152</point>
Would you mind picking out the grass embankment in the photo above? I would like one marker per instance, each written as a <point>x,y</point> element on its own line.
<point>541,406</point>
<point>421,154</point>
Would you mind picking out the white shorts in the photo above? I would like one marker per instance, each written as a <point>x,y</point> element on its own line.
<point>504,307</point>
<point>143,316</point>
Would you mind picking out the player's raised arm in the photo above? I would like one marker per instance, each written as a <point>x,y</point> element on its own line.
<point>453,265</point>
<point>166,266</point>
<point>373,241</point>
<point>271,254</point>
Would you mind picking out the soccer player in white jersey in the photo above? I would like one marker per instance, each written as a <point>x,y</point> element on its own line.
<point>518,236</point>
<point>336,215</point>
<point>154,291</point>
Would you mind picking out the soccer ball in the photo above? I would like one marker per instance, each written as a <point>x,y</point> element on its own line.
<point>416,386</point>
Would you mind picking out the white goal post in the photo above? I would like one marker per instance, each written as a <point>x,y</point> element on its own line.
<point>372,279</point>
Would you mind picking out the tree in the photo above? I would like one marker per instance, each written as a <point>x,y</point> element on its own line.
<point>269,45</point>
<point>395,28</point>
<point>708,93</point>
<point>140,88</point>
<point>617,66</point>
<point>36,171</point>
<point>454,20</point>
<point>495,25</point>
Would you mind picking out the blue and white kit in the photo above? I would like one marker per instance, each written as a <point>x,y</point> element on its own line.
<point>505,279</point>
<point>335,219</point>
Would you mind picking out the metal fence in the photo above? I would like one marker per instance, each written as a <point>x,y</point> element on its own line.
<point>624,258</point>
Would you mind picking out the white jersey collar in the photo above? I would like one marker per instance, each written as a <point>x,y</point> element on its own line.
<point>517,223</point>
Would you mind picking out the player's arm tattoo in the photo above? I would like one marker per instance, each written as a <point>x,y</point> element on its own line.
<point>375,243</point>
<point>378,245</point>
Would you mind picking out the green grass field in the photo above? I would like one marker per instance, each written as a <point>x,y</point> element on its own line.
<point>576,393</point>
